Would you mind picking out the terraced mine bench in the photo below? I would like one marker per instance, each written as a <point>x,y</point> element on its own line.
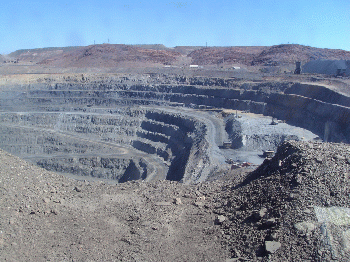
<point>148,127</point>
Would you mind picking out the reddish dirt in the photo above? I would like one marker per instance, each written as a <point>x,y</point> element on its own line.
<point>40,54</point>
<point>220,55</point>
<point>260,55</point>
<point>107,55</point>
<point>287,54</point>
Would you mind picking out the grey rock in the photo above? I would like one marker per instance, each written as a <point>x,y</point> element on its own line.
<point>273,236</point>
<point>260,214</point>
<point>272,246</point>
<point>201,198</point>
<point>177,201</point>
<point>339,157</point>
<point>220,219</point>
<point>305,227</point>
<point>198,204</point>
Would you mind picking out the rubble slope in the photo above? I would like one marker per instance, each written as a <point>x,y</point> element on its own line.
<point>297,202</point>
<point>294,207</point>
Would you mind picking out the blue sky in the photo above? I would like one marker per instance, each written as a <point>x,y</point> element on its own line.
<point>36,24</point>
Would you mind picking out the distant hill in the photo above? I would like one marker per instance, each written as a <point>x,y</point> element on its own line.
<point>154,46</point>
<point>220,55</point>
<point>107,55</point>
<point>40,54</point>
<point>185,50</point>
<point>287,54</point>
<point>262,55</point>
<point>111,55</point>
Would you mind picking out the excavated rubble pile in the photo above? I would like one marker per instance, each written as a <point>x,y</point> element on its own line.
<point>294,207</point>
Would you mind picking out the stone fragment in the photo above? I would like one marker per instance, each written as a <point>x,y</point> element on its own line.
<point>220,219</point>
<point>273,236</point>
<point>272,246</point>
<point>299,179</point>
<point>237,253</point>
<point>339,157</point>
<point>198,204</point>
<point>305,227</point>
<point>260,214</point>
<point>177,201</point>
<point>201,198</point>
<point>78,189</point>
<point>307,211</point>
<point>319,160</point>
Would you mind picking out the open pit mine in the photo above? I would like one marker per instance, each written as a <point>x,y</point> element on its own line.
<point>123,127</point>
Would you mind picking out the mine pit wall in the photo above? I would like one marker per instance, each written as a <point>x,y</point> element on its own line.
<point>252,97</point>
<point>234,130</point>
<point>330,121</point>
<point>185,148</point>
<point>45,135</point>
<point>320,93</point>
<point>99,167</point>
<point>317,109</point>
<point>179,140</point>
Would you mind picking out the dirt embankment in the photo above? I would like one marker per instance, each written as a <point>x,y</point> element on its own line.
<point>47,217</point>
<point>292,208</point>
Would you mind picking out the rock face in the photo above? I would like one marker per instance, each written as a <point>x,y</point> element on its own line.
<point>158,126</point>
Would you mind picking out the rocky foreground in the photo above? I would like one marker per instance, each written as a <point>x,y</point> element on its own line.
<point>294,207</point>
